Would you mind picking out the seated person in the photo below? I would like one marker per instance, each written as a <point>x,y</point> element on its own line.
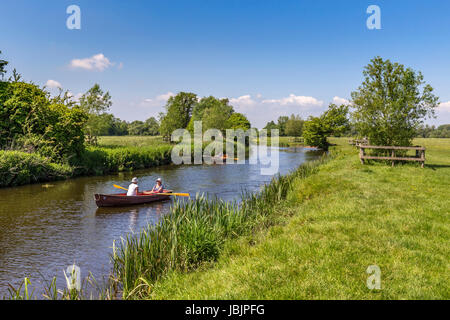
<point>133,189</point>
<point>158,188</point>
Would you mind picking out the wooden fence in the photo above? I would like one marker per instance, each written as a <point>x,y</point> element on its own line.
<point>420,154</point>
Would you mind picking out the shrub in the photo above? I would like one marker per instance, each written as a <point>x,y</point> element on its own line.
<point>53,128</point>
<point>19,168</point>
<point>98,160</point>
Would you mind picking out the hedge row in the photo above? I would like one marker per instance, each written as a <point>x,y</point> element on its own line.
<point>19,168</point>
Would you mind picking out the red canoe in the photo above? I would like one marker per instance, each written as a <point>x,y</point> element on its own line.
<point>121,199</point>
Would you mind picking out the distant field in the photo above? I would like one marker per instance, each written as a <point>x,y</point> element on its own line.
<point>131,141</point>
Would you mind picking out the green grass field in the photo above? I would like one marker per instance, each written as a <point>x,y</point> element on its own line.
<point>130,141</point>
<point>338,222</point>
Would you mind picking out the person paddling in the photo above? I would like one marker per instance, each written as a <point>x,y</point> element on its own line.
<point>158,188</point>
<point>133,189</point>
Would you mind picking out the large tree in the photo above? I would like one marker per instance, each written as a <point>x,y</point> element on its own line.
<point>294,126</point>
<point>95,102</point>
<point>178,112</point>
<point>271,126</point>
<point>391,103</point>
<point>213,113</point>
<point>333,121</point>
<point>336,119</point>
<point>238,121</point>
<point>151,127</point>
<point>282,121</point>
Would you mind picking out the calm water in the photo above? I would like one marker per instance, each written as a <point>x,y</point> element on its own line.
<point>44,230</point>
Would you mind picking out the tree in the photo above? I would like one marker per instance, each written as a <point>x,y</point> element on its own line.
<point>425,131</point>
<point>118,127</point>
<point>270,126</point>
<point>391,103</point>
<point>442,131</point>
<point>95,102</point>
<point>216,118</point>
<point>151,127</point>
<point>238,121</point>
<point>34,123</point>
<point>282,125</point>
<point>315,133</point>
<point>336,119</point>
<point>178,112</point>
<point>333,121</point>
<point>294,126</point>
<point>136,128</point>
<point>3,64</point>
<point>148,128</point>
<point>24,110</point>
<point>213,113</point>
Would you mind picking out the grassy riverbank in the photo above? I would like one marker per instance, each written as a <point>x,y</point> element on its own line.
<point>194,233</point>
<point>331,226</point>
<point>113,154</point>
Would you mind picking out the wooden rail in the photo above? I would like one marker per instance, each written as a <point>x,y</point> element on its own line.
<point>420,154</point>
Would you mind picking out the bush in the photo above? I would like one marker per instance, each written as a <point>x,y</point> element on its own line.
<point>98,160</point>
<point>315,133</point>
<point>19,168</point>
<point>53,128</point>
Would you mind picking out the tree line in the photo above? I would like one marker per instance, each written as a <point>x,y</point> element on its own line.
<point>59,127</point>
<point>388,108</point>
<point>427,131</point>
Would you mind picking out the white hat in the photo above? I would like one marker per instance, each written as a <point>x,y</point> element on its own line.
<point>134,180</point>
<point>159,179</point>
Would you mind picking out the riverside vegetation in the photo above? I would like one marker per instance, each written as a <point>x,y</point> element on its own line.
<point>331,226</point>
<point>308,235</point>
<point>18,168</point>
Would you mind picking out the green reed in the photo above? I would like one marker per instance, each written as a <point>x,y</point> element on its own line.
<point>90,290</point>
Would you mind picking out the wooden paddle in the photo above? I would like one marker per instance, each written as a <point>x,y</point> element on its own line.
<point>166,194</point>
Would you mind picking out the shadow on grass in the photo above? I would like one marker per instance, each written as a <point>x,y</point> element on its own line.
<point>437,166</point>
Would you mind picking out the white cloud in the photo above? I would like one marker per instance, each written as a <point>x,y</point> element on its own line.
<point>53,84</point>
<point>340,101</point>
<point>97,62</point>
<point>165,97</point>
<point>259,110</point>
<point>243,101</point>
<point>157,101</point>
<point>444,106</point>
<point>293,100</point>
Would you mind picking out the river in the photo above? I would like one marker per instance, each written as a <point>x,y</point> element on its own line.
<point>46,228</point>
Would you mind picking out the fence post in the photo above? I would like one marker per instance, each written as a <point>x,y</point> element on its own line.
<point>361,154</point>
<point>393,156</point>
<point>422,156</point>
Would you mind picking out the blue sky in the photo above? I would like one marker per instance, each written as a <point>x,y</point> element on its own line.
<point>269,57</point>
